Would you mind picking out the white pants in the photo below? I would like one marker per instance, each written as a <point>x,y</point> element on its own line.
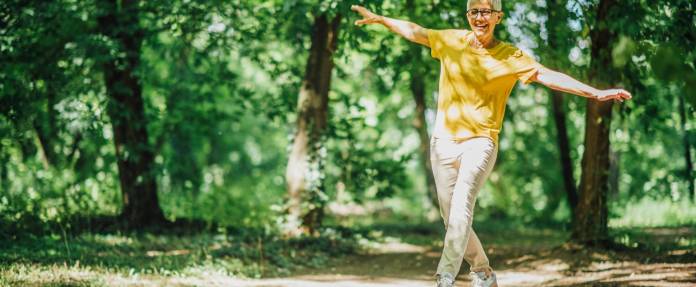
<point>460,169</point>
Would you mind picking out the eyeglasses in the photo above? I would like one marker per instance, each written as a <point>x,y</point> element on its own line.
<point>485,13</point>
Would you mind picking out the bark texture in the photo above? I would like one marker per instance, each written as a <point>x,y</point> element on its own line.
<point>590,221</point>
<point>305,166</point>
<point>135,157</point>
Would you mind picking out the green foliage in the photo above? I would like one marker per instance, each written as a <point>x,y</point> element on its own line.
<point>241,253</point>
<point>220,83</point>
<point>363,160</point>
<point>649,212</point>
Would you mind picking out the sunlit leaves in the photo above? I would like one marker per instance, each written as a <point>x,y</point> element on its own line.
<point>622,52</point>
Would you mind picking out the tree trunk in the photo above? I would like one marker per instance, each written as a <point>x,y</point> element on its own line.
<point>590,224</point>
<point>134,155</point>
<point>557,29</point>
<point>559,118</point>
<point>4,178</point>
<point>43,149</point>
<point>46,132</point>
<point>417,86</point>
<point>688,173</point>
<point>304,174</point>
<point>27,146</point>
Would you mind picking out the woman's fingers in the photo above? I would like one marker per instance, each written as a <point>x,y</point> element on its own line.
<point>361,10</point>
<point>622,95</point>
<point>368,17</point>
<point>615,94</point>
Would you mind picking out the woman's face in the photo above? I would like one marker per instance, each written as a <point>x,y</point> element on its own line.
<point>482,18</point>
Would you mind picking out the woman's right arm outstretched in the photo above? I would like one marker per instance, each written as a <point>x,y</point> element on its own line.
<point>411,31</point>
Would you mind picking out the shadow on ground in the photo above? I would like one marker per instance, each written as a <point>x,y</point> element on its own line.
<point>389,257</point>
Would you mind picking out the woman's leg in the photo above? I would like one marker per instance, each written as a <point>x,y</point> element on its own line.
<point>475,255</point>
<point>460,169</point>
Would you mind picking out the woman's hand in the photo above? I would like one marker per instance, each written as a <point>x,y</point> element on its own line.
<point>613,94</point>
<point>411,31</point>
<point>368,17</point>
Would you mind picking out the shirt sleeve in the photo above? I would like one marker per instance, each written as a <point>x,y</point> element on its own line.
<point>525,67</point>
<point>436,42</point>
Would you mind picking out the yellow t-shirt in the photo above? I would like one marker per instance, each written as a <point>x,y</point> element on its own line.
<point>475,84</point>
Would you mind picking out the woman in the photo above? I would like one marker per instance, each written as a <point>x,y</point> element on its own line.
<point>477,74</point>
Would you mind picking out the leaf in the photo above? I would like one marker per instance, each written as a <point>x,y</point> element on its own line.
<point>623,51</point>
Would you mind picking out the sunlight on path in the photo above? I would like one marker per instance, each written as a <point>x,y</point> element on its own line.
<point>314,281</point>
<point>393,263</point>
<point>642,275</point>
<point>505,279</point>
<point>525,279</point>
<point>338,281</point>
<point>596,274</point>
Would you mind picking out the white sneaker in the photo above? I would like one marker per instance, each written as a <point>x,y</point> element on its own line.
<point>445,280</point>
<point>479,279</point>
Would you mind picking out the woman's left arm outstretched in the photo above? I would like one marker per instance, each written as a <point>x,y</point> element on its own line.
<point>564,83</point>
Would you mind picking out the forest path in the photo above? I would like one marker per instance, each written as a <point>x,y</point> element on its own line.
<point>400,257</point>
<point>520,260</point>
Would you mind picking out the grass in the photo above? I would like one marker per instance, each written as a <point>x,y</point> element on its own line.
<point>86,259</point>
<point>173,258</point>
<point>650,212</point>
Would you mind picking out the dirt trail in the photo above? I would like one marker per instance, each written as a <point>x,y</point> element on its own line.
<point>521,258</point>
<point>365,272</point>
<point>533,261</point>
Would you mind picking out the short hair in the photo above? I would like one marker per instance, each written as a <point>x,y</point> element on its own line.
<point>495,4</point>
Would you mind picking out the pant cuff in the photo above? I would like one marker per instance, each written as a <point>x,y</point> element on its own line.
<point>486,269</point>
